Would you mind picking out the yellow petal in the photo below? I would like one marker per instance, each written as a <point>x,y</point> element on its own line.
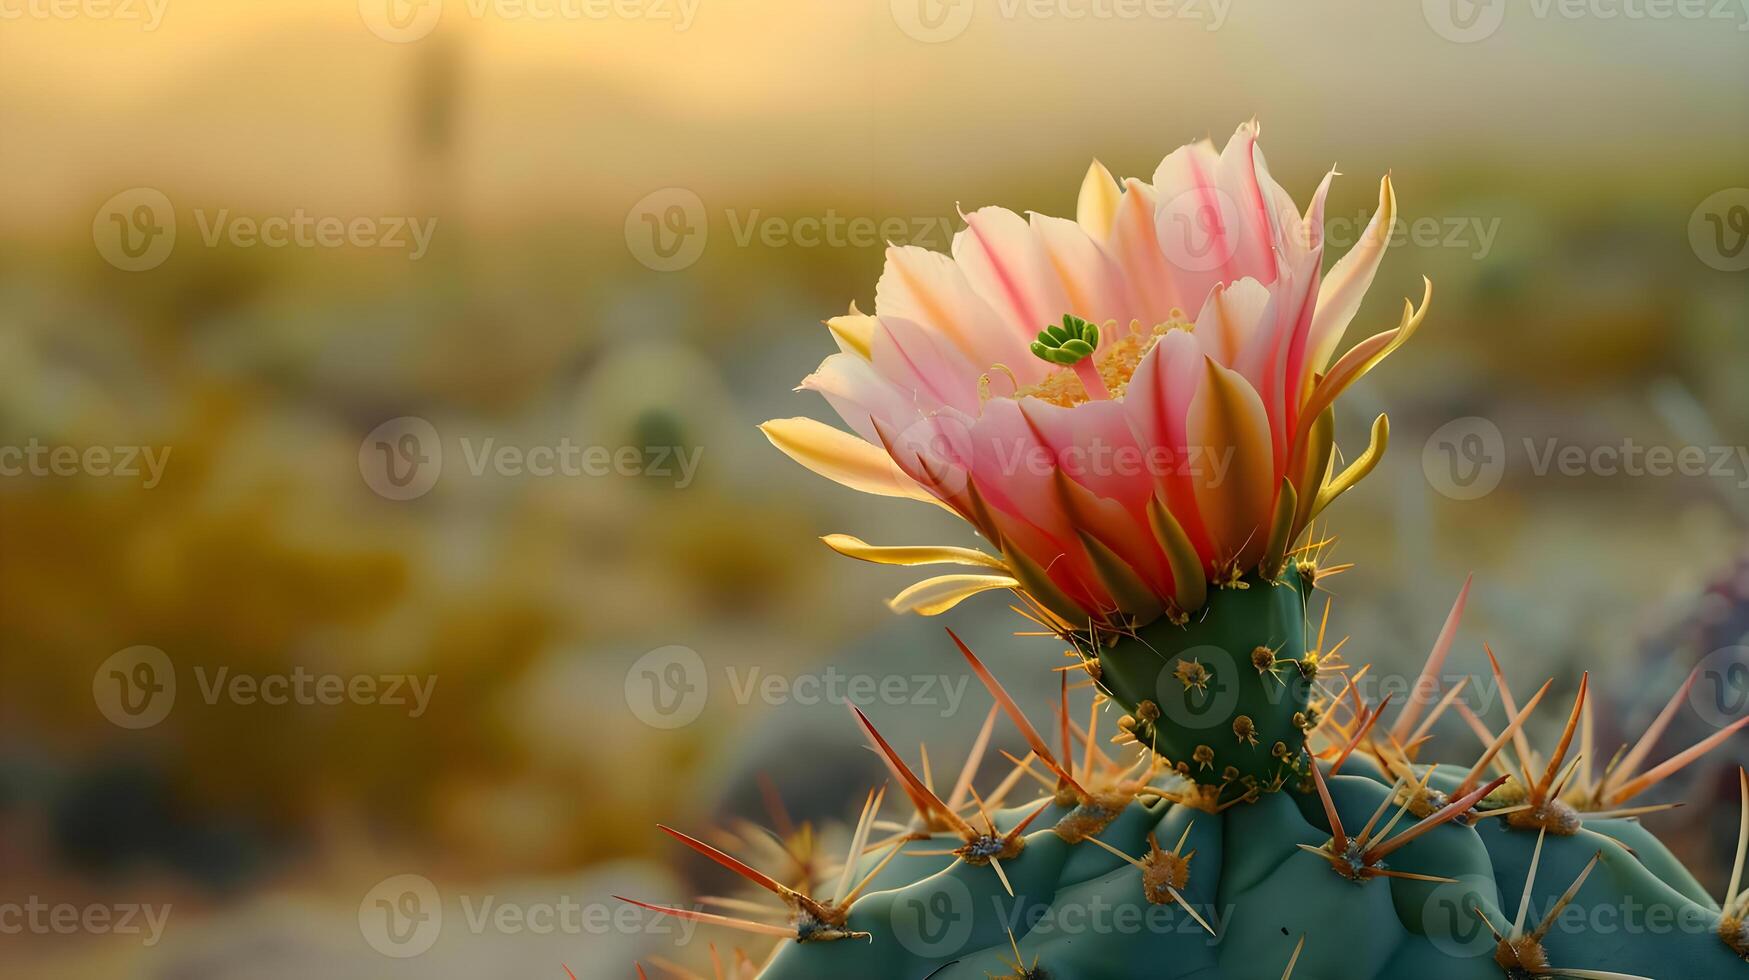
<point>853,547</point>
<point>1364,356</point>
<point>1134,597</point>
<point>1097,208</point>
<point>1357,471</point>
<point>854,333</point>
<point>1353,366</point>
<point>932,597</point>
<point>843,458</point>
<point>1314,467</point>
<point>1189,580</point>
<point>1227,416</point>
<point>1280,531</point>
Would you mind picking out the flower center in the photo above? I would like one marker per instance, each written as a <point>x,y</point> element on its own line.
<point>1112,367</point>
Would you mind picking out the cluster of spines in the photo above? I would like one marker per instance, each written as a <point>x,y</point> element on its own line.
<point>1551,795</point>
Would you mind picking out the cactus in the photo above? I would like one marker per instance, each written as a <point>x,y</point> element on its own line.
<point>1250,814</point>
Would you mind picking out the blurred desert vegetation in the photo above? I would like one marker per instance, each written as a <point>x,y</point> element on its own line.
<point>1579,148</point>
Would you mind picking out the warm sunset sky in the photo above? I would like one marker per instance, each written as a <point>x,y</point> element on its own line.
<point>271,102</point>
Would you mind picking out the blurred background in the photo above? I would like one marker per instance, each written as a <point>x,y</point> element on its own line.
<point>386,543</point>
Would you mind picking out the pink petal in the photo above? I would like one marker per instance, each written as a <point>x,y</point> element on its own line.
<point>1157,404</point>
<point>860,394</point>
<point>925,363</point>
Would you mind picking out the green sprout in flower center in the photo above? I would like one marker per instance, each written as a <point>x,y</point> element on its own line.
<point>1067,344</point>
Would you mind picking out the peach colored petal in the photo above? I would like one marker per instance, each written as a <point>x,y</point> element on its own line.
<point>1091,281</point>
<point>1340,296</point>
<point>1135,246</point>
<point>1231,317</point>
<point>930,289</point>
<point>1002,258</point>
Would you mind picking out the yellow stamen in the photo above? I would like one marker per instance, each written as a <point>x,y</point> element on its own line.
<point>1116,364</point>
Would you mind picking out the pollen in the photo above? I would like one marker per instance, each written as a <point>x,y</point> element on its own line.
<point>1117,364</point>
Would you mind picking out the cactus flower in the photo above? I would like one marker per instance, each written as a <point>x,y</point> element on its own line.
<point>1130,407</point>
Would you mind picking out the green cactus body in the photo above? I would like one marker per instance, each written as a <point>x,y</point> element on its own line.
<point>1079,912</point>
<point>1226,696</point>
<point>1257,822</point>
